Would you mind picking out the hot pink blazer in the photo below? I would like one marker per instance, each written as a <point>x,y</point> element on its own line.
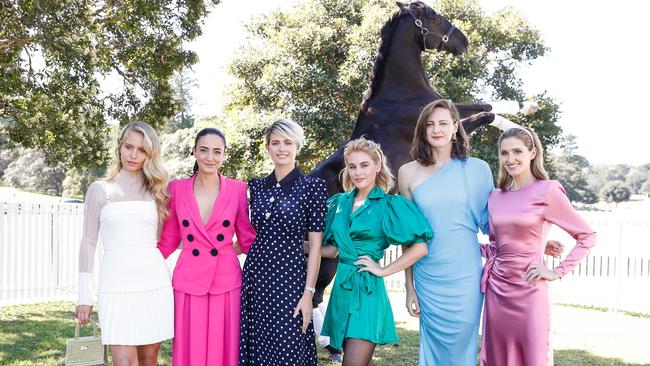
<point>207,263</point>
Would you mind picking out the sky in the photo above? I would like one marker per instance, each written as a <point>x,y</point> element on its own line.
<point>597,67</point>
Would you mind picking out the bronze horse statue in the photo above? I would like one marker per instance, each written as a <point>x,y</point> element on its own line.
<point>398,90</point>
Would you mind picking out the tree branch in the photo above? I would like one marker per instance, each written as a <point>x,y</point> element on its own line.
<point>9,42</point>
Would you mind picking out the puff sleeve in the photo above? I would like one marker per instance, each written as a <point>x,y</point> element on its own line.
<point>404,224</point>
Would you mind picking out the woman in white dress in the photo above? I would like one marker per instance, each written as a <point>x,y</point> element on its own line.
<point>135,298</point>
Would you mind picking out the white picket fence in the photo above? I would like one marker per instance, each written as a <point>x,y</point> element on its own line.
<point>39,244</point>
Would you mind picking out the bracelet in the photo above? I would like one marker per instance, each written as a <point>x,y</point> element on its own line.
<point>310,289</point>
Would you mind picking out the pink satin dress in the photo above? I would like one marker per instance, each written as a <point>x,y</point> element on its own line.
<point>516,320</point>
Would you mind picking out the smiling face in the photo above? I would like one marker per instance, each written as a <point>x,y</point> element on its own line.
<point>362,170</point>
<point>282,150</point>
<point>132,153</point>
<point>440,127</point>
<point>515,157</point>
<point>209,152</point>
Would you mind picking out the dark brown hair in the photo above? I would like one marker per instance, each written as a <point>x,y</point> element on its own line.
<point>420,147</point>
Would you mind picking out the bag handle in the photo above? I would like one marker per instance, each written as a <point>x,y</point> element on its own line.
<point>78,328</point>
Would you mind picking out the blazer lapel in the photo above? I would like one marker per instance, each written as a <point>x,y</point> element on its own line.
<point>193,208</point>
<point>221,203</point>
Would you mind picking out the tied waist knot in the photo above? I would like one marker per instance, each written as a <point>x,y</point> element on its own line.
<point>490,252</point>
<point>358,283</point>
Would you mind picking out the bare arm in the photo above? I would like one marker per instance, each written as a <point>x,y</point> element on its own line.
<point>408,257</point>
<point>412,303</point>
<point>304,306</point>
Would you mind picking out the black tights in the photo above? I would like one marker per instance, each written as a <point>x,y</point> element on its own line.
<point>358,352</point>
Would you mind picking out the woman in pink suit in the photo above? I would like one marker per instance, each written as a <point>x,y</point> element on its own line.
<point>516,322</point>
<point>206,210</point>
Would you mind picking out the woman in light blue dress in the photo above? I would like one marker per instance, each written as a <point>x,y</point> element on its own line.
<point>451,190</point>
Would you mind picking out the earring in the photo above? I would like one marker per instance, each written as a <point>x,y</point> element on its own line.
<point>453,137</point>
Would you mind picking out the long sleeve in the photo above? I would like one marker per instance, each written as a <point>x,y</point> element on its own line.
<point>243,227</point>
<point>560,212</point>
<point>95,199</point>
<point>488,250</point>
<point>481,203</point>
<point>170,237</point>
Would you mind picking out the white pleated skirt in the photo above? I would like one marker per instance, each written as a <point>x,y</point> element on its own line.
<point>136,318</point>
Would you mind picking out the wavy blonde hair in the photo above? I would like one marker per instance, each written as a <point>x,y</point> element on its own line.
<point>530,140</point>
<point>385,179</point>
<point>154,176</point>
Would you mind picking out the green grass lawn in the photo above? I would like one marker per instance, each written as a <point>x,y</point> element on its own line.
<point>36,335</point>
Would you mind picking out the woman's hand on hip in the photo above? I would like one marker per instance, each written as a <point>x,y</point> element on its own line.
<point>536,272</point>
<point>370,266</point>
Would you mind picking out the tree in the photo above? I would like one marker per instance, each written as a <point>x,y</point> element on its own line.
<point>77,180</point>
<point>570,170</point>
<point>30,172</point>
<point>615,191</point>
<point>645,188</point>
<point>635,179</point>
<point>54,54</point>
<point>316,72</point>
<point>182,84</point>
<point>244,148</point>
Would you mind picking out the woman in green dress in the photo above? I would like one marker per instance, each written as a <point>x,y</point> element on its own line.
<point>360,224</point>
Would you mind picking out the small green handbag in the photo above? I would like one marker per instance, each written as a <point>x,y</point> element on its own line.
<point>86,351</point>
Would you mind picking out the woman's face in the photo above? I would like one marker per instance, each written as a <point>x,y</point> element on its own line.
<point>209,153</point>
<point>515,156</point>
<point>132,154</point>
<point>440,128</point>
<point>282,150</point>
<point>362,170</point>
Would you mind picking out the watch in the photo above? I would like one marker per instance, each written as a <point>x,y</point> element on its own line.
<point>310,289</point>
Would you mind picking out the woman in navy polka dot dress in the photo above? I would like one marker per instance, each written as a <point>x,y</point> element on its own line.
<point>278,284</point>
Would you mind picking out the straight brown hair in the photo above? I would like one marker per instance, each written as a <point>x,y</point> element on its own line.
<point>420,147</point>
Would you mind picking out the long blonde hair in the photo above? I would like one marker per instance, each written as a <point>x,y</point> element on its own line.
<point>530,140</point>
<point>385,179</point>
<point>155,177</point>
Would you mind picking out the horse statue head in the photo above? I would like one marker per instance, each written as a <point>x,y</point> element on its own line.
<point>436,31</point>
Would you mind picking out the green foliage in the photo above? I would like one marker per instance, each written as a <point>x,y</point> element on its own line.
<point>54,54</point>
<point>316,71</point>
<point>182,84</point>
<point>30,172</point>
<point>645,188</point>
<point>570,168</point>
<point>244,152</point>
<point>77,180</point>
<point>615,191</point>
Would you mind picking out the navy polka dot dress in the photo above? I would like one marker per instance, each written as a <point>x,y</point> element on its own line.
<point>276,270</point>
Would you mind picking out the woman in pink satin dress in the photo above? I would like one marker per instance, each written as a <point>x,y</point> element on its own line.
<point>516,321</point>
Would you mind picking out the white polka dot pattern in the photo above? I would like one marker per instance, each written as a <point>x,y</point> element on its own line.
<point>275,270</point>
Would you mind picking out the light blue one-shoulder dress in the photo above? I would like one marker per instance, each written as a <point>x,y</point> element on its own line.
<point>447,280</point>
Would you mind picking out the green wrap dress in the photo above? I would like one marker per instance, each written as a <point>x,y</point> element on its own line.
<point>359,306</point>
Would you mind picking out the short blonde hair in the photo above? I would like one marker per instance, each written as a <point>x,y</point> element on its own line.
<point>289,129</point>
<point>385,179</point>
